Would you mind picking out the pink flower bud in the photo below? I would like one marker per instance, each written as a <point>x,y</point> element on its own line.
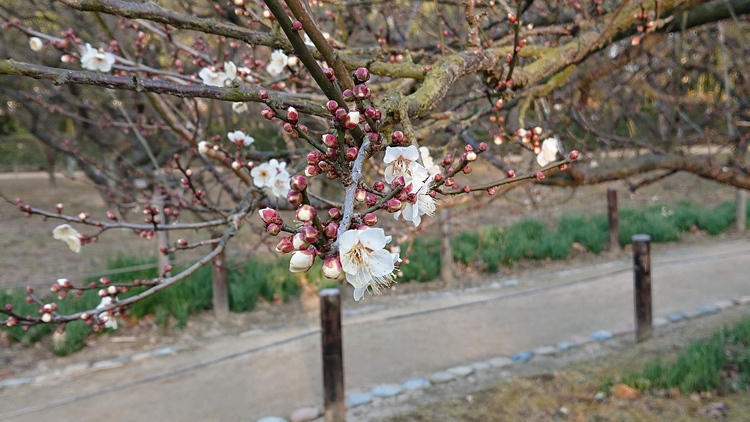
<point>263,94</point>
<point>325,166</point>
<point>332,154</point>
<point>330,74</point>
<point>267,114</point>
<point>298,182</point>
<point>362,92</point>
<point>105,280</point>
<point>539,175</point>
<point>373,113</point>
<point>301,261</point>
<point>370,219</point>
<point>371,199</point>
<point>298,242</point>
<point>332,106</point>
<point>361,75</point>
<point>483,146</point>
<point>378,186</point>
<point>447,160</point>
<point>471,156</point>
<point>330,141</point>
<point>574,154</point>
<point>563,167</point>
<point>292,115</point>
<point>491,191</point>
<point>305,213</point>
<point>331,230</point>
<point>269,215</point>
<point>288,128</point>
<point>59,207</point>
<point>466,169</point>
<point>340,114</point>
<point>334,214</point>
<point>294,197</point>
<point>398,137</point>
<point>311,171</point>
<point>360,195</point>
<point>182,242</point>
<point>393,205</point>
<point>352,120</point>
<point>273,229</point>
<point>351,154</point>
<point>285,245</point>
<point>374,138</point>
<point>310,234</point>
<point>103,293</point>
<point>348,95</point>
<point>438,177</point>
<point>398,182</point>
<point>332,267</point>
<point>449,182</point>
<point>511,174</point>
<point>64,283</point>
<point>297,26</point>
<point>314,157</point>
<point>467,189</point>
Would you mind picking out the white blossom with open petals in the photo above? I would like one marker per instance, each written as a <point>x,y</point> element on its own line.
<point>214,77</point>
<point>68,235</point>
<point>280,185</point>
<point>365,260</point>
<point>421,203</point>
<point>430,165</point>
<point>402,161</point>
<point>239,136</point>
<point>277,64</point>
<point>263,175</point>
<point>244,70</point>
<point>36,44</point>
<point>272,175</point>
<point>93,59</point>
<point>239,107</point>
<point>549,150</point>
<point>109,320</point>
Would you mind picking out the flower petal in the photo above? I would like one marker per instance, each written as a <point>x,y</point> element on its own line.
<point>373,239</point>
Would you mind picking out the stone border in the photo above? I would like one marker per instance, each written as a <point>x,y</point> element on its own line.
<point>409,386</point>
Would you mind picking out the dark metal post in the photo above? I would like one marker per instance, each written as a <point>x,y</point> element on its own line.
<point>220,288</point>
<point>644,327</point>
<point>334,408</point>
<point>614,231</point>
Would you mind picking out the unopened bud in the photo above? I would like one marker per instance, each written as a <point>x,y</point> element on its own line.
<point>273,229</point>
<point>511,174</point>
<point>574,154</point>
<point>298,242</point>
<point>352,120</point>
<point>334,214</point>
<point>370,219</point>
<point>397,137</point>
<point>292,115</point>
<point>330,141</point>
<point>393,205</point>
<point>311,171</point>
<point>360,195</point>
<point>298,182</point>
<point>285,245</point>
<point>297,26</point>
<point>361,75</point>
<point>331,230</point>
<point>305,213</point>
<point>269,215</point>
<point>332,106</point>
<point>332,267</point>
<point>351,154</point>
<point>310,234</point>
<point>471,156</point>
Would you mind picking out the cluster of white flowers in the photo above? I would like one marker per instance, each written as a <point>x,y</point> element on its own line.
<point>402,161</point>
<point>93,59</point>
<point>68,235</point>
<point>109,320</point>
<point>365,261</point>
<point>215,77</point>
<point>279,61</point>
<point>273,177</point>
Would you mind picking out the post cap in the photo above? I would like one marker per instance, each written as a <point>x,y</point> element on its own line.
<point>641,238</point>
<point>330,292</point>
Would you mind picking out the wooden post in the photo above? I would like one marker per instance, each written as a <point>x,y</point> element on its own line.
<point>614,231</point>
<point>220,288</point>
<point>741,209</point>
<point>446,251</point>
<point>334,408</point>
<point>642,269</point>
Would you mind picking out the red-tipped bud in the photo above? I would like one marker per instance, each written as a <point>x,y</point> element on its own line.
<point>332,106</point>
<point>64,283</point>
<point>373,113</point>
<point>574,154</point>
<point>330,74</point>
<point>374,138</point>
<point>398,182</point>
<point>105,280</point>
<point>55,288</point>
<point>301,261</point>
<point>539,175</point>
<point>352,120</point>
<point>393,205</point>
<point>29,289</point>
<point>311,171</point>
<point>273,229</point>
<point>182,242</point>
<point>288,128</point>
<point>563,167</point>
<point>297,26</point>
<point>449,182</point>
<point>370,219</point>
<point>285,245</point>
<point>467,189</point>
<point>466,169</point>
<point>361,75</point>
<point>360,195</point>
<point>491,191</point>
<point>398,137</point>
<point>331,230</point>
<point>371,199</point>
<point>298,182</point>
<point>269,215</point>
<point>310,234</point>
<point>164,250</point>
<point>362,92</point>
<point>305,213</point>
<point>334,214</point>
<point>263,94</point>
<point>267,114</point>
<point>299,243</point>
<point>314,157</point>
<point>325,166</point>
<point>348,95</point>
<point>438,177</point>
<point>340,114</point>
<point>511,174</point>
<point>330,141</point>
<point>351,154</point>
<point>470,156</point>
<point>292,115</point>
<point>59,207</point>
<point>483,146</point>
<point>379,186</point>
<point>332,267</point>
<point>447,160</point>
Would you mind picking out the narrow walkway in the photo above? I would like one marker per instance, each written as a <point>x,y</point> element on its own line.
<point>273,373</point>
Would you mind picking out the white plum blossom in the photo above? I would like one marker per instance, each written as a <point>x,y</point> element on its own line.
<point>68,235</point>
<point>246,71</point>
<point>402,161</point>
<point>214,77</point>
<point>277,64</point>
<point>35,44</point>
<point>420,203</point>
<point>93,59</point>
<point>365,260</point>
<point>301,261</point>
<point>549,150</point>
<point>239,136</point>
<point>239,107</point>
<point>109,320</point>
<point>430,165</point>
<point>203,147</point>
<point>272,176</point>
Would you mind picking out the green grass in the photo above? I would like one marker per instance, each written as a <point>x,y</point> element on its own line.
<point>702,365</point>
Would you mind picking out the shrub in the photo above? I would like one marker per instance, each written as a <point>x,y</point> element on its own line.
<point>424,260</point>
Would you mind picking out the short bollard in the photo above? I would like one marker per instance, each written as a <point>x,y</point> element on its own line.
<point>333,362</point>
<point>644,327</point>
